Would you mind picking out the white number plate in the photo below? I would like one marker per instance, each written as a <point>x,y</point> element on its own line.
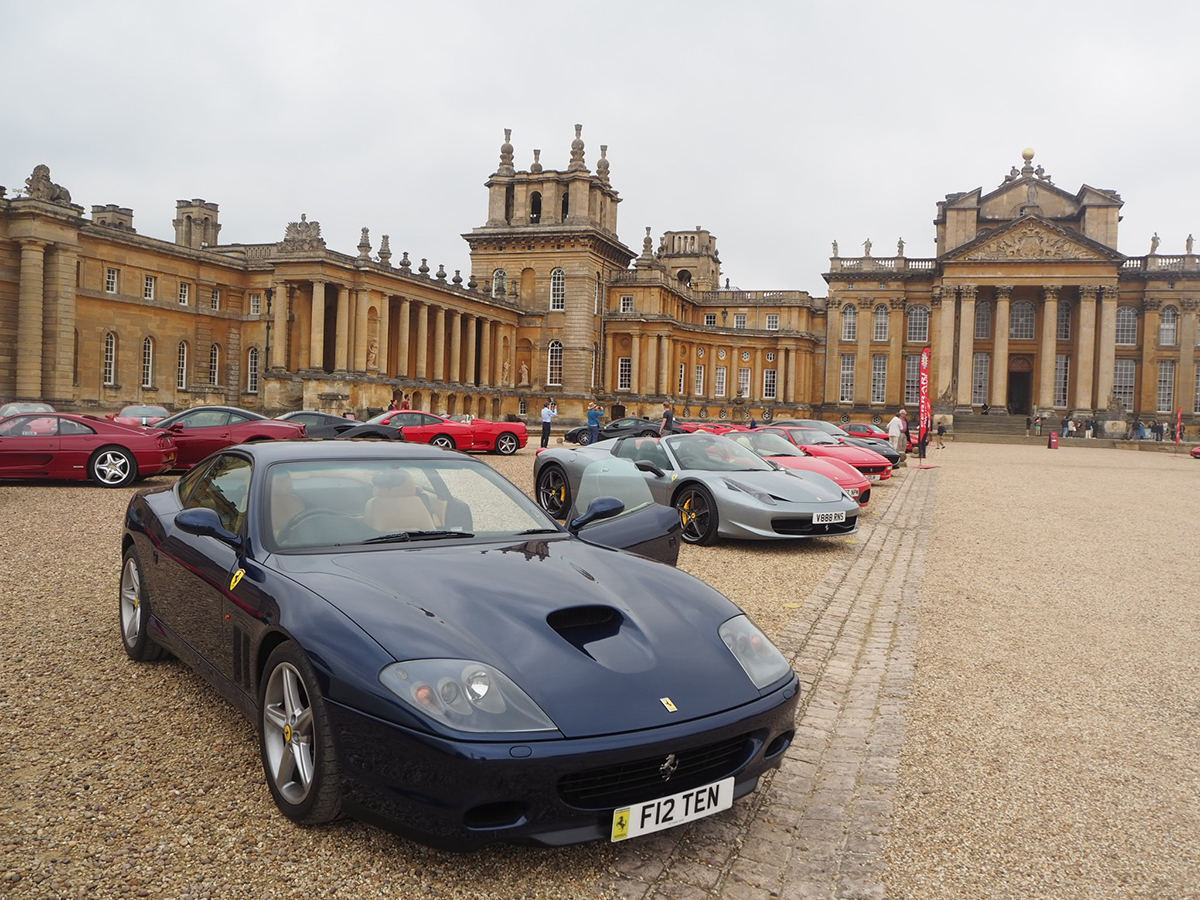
<point>853,492</point>
<point>667,812</point>
<point>828,518</point>
<point>872,478</point>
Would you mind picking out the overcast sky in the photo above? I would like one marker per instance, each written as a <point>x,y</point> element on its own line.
<point>778,126</point>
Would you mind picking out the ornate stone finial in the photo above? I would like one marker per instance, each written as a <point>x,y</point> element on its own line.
<point>457,279</point>
<point>472,284</point>
<point>39,187</point>
<point>506,155</point>
<point>577,164</point>
<point>1154,243</point>
<point>405,265</point>
<point>364,245</point>
<point>385,252</point>
<point>647,244</point>
<point>537,162</point>
<point>303,236</point>
<point>441,272</point>
<point>602,165</point>
<point>1027,155</point>
<point>423,268</point>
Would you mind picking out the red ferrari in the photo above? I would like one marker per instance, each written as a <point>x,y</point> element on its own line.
<point>818,443</point>
<point>870,430</point>
<point>478,434</point>
<point>206,429</point>
<point>59,445</point>
<point>784,453</point>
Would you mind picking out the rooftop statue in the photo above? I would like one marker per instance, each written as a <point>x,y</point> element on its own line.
<point>39,187</point>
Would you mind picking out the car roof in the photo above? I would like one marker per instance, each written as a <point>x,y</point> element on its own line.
<point>267,452</point>
<point>236,409</point>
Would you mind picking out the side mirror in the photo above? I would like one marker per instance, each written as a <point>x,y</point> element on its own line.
<point>645,465</point>
<point>600,508</point>
<point>178,426</point>
<point>205,522</point>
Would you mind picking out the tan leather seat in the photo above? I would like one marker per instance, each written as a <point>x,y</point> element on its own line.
<point>396,506</point>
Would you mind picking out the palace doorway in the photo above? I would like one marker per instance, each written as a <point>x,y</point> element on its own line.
<point>1020,386</point>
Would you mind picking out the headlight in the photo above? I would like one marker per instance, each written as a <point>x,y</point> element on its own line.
<point>746,489</point>
<point>758,656</point>
<point>465,695</point>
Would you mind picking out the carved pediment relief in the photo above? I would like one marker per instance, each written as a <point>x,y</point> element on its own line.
<point>1031,240</point>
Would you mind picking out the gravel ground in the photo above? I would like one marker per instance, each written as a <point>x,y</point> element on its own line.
<point>137,780</point>
<point>1052,746</point>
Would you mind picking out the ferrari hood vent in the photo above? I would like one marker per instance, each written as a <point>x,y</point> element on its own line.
<point>583,625</point>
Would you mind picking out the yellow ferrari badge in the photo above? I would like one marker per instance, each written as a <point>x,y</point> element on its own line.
<point>666,701</point>
<point>620,828</point>
<point>237,576</point>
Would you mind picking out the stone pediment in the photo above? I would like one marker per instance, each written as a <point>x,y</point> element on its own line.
<point>1033,238</point>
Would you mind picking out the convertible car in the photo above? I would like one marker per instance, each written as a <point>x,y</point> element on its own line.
<point>881,446</point>
<point>504,438</point>
<point>873,465</point>
<point>784,453</point>
<point>60,445</point>
<point>718,487</point>
<point>421,646</point>
<point>204,429</point>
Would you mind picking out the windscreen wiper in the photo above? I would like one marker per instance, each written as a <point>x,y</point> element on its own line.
<point>398,536</point>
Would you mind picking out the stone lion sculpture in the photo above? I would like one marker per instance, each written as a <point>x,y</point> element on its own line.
<point>40,187</point>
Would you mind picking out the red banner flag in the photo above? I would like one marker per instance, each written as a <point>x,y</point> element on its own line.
<point>925,411</point>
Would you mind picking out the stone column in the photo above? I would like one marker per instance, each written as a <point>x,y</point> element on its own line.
<point>1049,344</point>
<point>1147,398</point>
<point>833,334</point>
<point>472,371</point>
<point>31,295</point>
<point>862,357</point>
<point>279,339</point>
<point>896,362</point>
<point>422,372</point>
<point>384,331</point>
<point>665,387</point>
<point>341,343</point>
<point>316,331</point>
<point>943,348</point>
<point>485,353</point>
<point>455,346</point>
<point>635,364</point>
<point>650,382</point>
<point>1185,393</point>
<point>361,338</point>
<point>58,323</point>
<point>404,339</point>
<point>1105,369</point>
<point>1000,347</point>
<point>439,344</point>
<point>966,345</point>
<point>1085,341</point>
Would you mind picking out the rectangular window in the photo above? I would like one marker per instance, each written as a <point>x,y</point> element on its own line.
<point>881,324</point>
<point>1124,372</point>
<point>682,376</point>
<point>912,380</point>
<point>744,382</point>
<point>879,378</point>
<point>215,300</point>
<point>252,371</point>
<point>110,359</point>
<point>847,390</point>
<point>1064,322</point>
<point>770,384</point>
<point>625,373</point>
<point>699,381</point>
<point>627,303</point>
<point>149,288</point>
<point>184,293</point>
<point>1062,373</point>
<point>147,363</point>
<point>981,364</point>
<point>110,281</point>
<point>739,320</point>
<point>722,372</point>
<point>255,304</point>
<point>710,319</point>
<point>1166,385</point>
<point>772,321</point>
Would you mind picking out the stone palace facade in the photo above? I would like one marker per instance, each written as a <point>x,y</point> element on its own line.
<point>1027,306</point>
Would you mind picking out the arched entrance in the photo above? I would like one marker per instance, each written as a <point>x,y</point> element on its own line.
<point>1020,385</point>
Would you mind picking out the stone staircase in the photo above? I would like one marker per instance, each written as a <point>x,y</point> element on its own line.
<point>1007,429</point>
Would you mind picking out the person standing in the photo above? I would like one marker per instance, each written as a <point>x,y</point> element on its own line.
<point>404,402</point>
<point>1028,425</point>
<point>549,411</point>
<point>941,434</point>
<point>593,417</point>
<point>668,421</point>
<point>1037,426</point>
<point>897,429</point>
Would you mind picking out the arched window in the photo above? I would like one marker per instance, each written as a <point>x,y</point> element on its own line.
<point>148,362</point>
<point>214,365</point>
<point>499,283</point>
<point>881,323</point>
<point>1020,323</point>
<point>252,371</point>
<point>1168,327</point>
<point>110,358</point>
<point>849,322</point>
<point>554,371</point>
<point>983,320</point>
<point>685,277</point>
<point>535,207</point>
<point>918,324</point>
<point>558,289</point>
<point>181,364</point>
<point>1126,326</point>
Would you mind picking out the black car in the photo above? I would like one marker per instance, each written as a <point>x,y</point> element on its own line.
<point>882,447</point>
<point>420,645</point>
<point>623,427</point>
<point>320,424</point>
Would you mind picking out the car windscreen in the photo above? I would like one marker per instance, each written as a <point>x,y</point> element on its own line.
<point>330,502</point>
<point>140,412</point>
<point>713,453</point>
<point>764,443</point>
<point>811,436</point>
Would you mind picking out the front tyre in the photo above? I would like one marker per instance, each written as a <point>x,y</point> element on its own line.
<point>698,513</point>
<point>295,740</point>
<point>553,491</point>
<point>584,439</point>
<point>507,444</point>
<point>134,606</point>
<point>112,467</point>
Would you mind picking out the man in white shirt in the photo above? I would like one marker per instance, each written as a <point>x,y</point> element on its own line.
<point>896,430</point>
<point>549,411</point>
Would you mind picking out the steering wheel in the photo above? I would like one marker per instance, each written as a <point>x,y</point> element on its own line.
<point>303,516</point>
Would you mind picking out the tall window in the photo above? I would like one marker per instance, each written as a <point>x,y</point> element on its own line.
<point>148,362</point>
<point>522,407</point>
<point>1166,385</point>
<point>881,324</point>
<point>181,363</point>
<point>1062,376</point>
<point>252,371</point>
<point>149,287</point>
<point>185,291</point>
<point>770,384</point>
<point>110,358</point>
<point>918,324</point>
<point>983,320</point>
<point>214,364</point>
<point>744,381</point>
<point>879,378</point>
<point>499,283</point>
<point>710,319</point>
<point>980,367</point>
<point>682,387</point>
<point>772,321</point>
<point>558,290</point>
<point>739,320</point>
<point>1020,322</point>
<point>1196,403</point>
<point>215,300</point>
<point>1123,381</point>
<point>1168,327</point>
<point>256,304</point>
<point>110,281</point>
<point>719,376</point>
<point>554,369</point>
<point>912,379</point>
<point>847,392</point>
<point>699,381</point>
<point>1063,332</point>
<point>1126,326</point>
<point>627,303</point>
<point>849,323</point>
<point>625,373</point>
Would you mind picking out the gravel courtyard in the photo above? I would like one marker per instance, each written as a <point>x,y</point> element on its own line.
<point>1047,746</point>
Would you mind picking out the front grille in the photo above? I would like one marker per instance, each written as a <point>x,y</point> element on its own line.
<point>802,525</point>
<point>634,782</point>
<point>873,470</point>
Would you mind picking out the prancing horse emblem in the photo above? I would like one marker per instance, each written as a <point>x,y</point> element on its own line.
<point>669,767</point>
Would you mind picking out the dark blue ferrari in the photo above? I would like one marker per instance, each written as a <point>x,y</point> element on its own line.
<point>421,646</point>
